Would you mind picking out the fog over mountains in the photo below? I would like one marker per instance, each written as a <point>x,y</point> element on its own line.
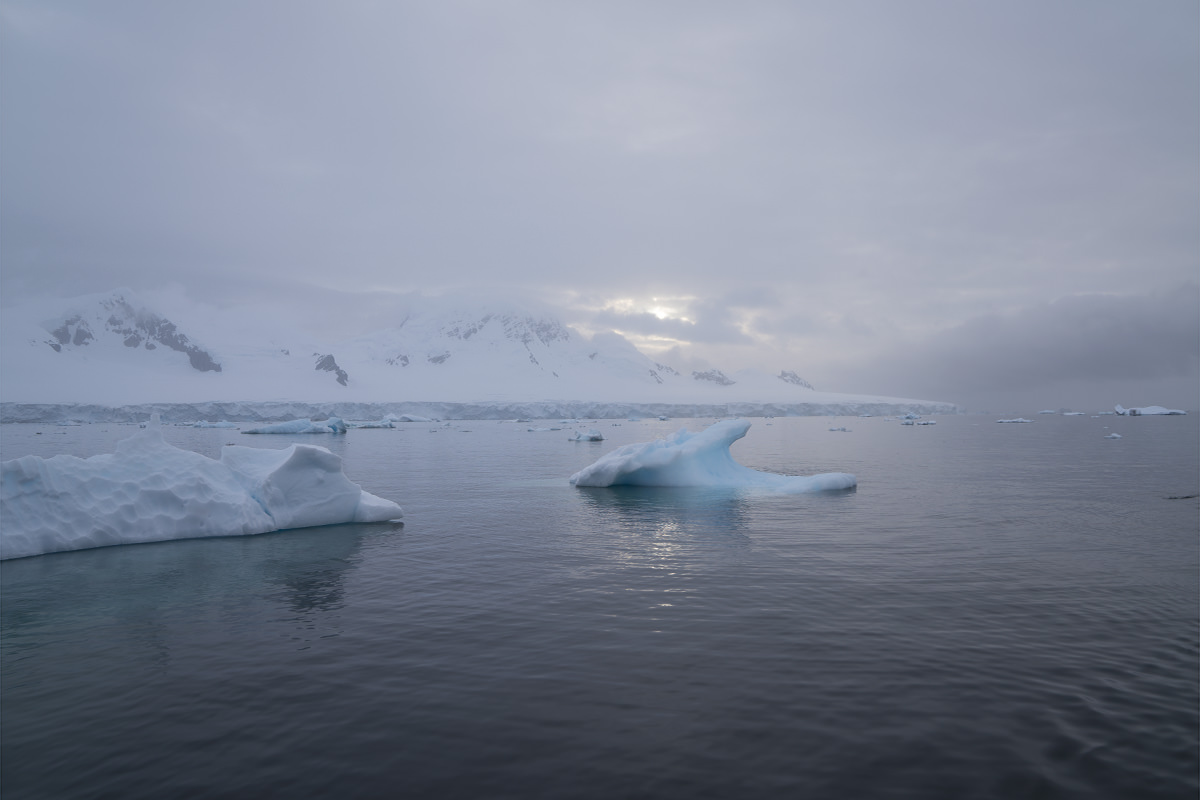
<point>115,349</point>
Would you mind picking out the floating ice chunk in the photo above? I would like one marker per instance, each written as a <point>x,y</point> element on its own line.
<point>331,425</point>
<point>843,430</point>
<point>592,435</point>
<point>150,491</point>
<point>697,459</point>
<point>1149,411</point>
<point>386,422</point>
<point>1018,419</point>
<point>1113,436</point>
<point>911,415</point>
<point>413,418</point>
<point>927,422</point>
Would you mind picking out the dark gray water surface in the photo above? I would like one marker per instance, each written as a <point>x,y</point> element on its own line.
<point>997,611</point>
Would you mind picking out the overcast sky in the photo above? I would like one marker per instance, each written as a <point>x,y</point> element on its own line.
<point>987,203</point>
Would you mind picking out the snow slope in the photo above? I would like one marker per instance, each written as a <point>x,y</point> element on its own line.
<point>114,350</point>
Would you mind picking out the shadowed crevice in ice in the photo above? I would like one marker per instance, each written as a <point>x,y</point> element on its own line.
<point>150,491</point>
<point>698,459</point>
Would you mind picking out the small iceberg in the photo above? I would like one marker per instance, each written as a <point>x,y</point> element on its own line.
<point>1113,436</point>
<point>698,459</point>
<point>1149,411</point>
<point>151,491</point>
<point>1017,420</point>
<point>387,422</point>
<point>592,435</point>
<point>331,425</point>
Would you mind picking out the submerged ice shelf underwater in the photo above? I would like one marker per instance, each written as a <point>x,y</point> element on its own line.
<point>150,491</point>
<point>699,459</point>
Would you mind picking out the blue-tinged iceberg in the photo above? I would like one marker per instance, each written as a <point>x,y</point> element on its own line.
<point>150,491</point>
<point>698,459</point>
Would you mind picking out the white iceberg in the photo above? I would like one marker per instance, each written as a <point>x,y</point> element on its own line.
<point>387,422</point>
<point>1017,420</point>
<point>150,491</point>
<point>698,459</point>
<point>1113,436</point>
<point>592,435</point>
<point>1149,411</point>
<point>331,425</point>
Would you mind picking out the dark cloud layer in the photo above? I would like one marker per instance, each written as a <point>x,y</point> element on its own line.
<point>1073,349</point>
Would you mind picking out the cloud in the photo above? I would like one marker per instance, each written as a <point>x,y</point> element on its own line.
<point>1075,341</point>
<point>820,183</point>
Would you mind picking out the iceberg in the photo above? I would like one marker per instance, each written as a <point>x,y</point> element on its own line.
<point>698,459</point>
<point>1018,420</point>
<point>1149,411</point>
<point>151,491</point>
<point>387,422</point>
<point>331,425</point>
<point>592,435</point>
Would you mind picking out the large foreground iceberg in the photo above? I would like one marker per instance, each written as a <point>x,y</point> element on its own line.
<point>698,459</point>
<point>151,491</point>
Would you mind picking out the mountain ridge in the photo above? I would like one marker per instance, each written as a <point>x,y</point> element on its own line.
<point>115,350</point>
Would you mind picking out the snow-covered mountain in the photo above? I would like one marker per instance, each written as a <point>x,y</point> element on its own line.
<point>113,349</point>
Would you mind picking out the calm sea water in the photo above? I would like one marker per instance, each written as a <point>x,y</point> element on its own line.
<point>997,611</point>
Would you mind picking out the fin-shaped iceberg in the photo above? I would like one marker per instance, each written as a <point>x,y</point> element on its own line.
<point>698,459</point>
<point>150,491</point>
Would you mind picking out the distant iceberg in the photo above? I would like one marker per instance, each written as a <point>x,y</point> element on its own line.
<point>331,425</point>
<point>1149,411</point>
<point>387,422</point>
<point>150,491</point>
<point>1017,420</point>
<point>592,435</point>
<point>698,459</point>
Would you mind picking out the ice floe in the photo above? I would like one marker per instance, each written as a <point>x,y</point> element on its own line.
<point>150,491</point>
<point>698,459</point>
<point>331,425</point>
<point>1148,411</point>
